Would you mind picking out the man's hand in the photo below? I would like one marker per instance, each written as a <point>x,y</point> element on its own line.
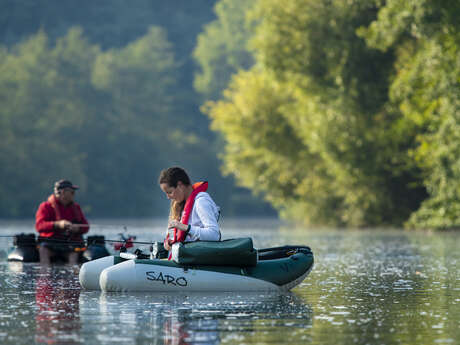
<point>62,224</point>
<point>67,226</point>
<point>74,229</point>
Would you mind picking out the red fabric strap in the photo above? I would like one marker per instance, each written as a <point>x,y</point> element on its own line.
<point>179,235</point>
<point>54,203</point>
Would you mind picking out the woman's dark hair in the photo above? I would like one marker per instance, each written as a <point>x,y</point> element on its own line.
<point>173,175</point>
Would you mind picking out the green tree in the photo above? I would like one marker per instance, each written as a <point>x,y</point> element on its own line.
<point>220,52</point>
<point>99,118</point>
<point>138,81</point>
<point>221,49</point>
<point>425,88</point>
<point>43,97</point>
<point>309,126</point>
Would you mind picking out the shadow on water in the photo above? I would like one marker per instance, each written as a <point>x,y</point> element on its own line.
<point>189,319</point>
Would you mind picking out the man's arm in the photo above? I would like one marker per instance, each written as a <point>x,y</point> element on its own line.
<point>44,220</point>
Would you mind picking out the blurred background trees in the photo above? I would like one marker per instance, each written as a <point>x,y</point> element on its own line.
<point>335,113</point>
<point>102,93</point>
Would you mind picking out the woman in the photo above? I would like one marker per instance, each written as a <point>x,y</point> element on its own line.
<point>193,215</point>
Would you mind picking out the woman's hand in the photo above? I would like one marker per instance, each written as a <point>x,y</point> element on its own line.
<point>176,224</point>
<point>167,246</point>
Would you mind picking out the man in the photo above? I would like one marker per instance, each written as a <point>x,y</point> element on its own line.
<point>61,224</point>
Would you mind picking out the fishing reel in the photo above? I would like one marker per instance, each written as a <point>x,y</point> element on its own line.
<point>126,241</point>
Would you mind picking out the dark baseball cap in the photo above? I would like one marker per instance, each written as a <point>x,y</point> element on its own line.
<point>61,184</point>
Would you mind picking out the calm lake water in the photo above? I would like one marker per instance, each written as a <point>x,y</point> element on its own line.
<point>367,287</point>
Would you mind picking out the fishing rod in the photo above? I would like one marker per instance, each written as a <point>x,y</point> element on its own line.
<point>124,227</point>
<point>137,242</point>
<point>64,241</point>
<point>122,239</point>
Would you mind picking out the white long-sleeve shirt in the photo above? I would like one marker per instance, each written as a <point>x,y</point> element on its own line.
<point>204,220</point>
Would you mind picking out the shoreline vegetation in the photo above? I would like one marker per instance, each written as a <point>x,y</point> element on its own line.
<point>342,114</point>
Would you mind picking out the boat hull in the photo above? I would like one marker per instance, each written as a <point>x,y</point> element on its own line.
<point>91,271</point>
<point>133,276</point>
<point>24,254</point>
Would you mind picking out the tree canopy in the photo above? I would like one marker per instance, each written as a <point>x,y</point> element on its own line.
<point>349,113</point>
<point>425,89</point>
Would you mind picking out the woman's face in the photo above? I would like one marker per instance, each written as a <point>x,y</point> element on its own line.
<point>174,193</point>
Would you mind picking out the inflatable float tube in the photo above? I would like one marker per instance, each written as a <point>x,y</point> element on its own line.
<point>278,269</point>
<point>25,249</point>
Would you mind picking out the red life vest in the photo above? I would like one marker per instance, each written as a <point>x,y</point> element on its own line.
<point>54,204</point>
<point>179,235</point>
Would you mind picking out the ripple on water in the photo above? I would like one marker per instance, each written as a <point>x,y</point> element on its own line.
<point>375,288</point>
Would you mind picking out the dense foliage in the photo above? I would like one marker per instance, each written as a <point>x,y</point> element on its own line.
<point>349,115</point>
<point>221,49</point>
<point>426,89</point>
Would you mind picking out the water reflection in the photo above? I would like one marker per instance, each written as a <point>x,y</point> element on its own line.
<point>57,317</point>
<point>389,289</point>
<point>17,303</point>
<point>190,319</point>
<point>38,305</point>
<point>179,328</point>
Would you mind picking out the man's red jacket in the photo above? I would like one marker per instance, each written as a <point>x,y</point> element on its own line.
<point>52,210</point>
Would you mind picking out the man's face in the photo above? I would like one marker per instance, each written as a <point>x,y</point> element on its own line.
<point>66,195</point>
